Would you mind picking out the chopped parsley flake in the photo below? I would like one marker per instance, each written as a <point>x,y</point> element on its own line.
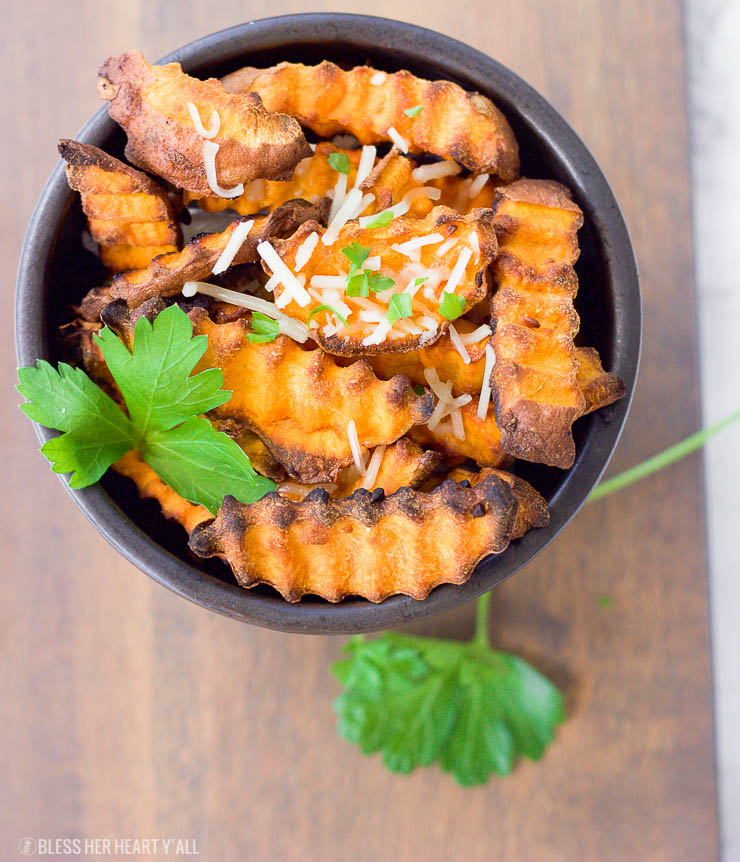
<point>415,111</point>
<point>264,328</point>
<point>451,306</point>
<point>400,306</point>
<point>340,162</point>
<point>382,219</point>
<point>327,308</point>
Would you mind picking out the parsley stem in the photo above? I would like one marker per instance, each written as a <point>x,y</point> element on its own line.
<point>662,459</point>
<point>481,639</point>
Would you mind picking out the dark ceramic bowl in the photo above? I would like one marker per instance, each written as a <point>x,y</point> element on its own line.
<point>55,270</point>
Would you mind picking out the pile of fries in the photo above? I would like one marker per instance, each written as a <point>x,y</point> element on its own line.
<point>390,304</point>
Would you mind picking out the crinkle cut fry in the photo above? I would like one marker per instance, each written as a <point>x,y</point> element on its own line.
<point>165,275</point>
<point>368,544</point>
<point>599,387</point>
<point>313,178</point>
<point>151,104</point>
<point>535,387</point>
<point>453,123</point>
<point>482,440</point>
<point>129,215</point>
<point>329,260</point>
<point>300,402</point>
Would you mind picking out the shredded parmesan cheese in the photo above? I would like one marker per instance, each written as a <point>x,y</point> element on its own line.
<point>446,246</point>
<point>340,195</point>
<point>354,445</point>
<point>458,270</point>
<point>434,171</point>
<point>305,250</point>
<point>328,282</point>
<point>477,185</point>
<point>204,132</point>
<point>458,345</point>
<point>367,160</point>
<point>373,467</point>
<point>294,489</point>
<point>288,326</point>
<point>241,232</point>
<point>458,429</point>
<point>474,244</point>
<point>476,335</point>
<point>209,162</point>
<point>372,263</point>
<point>294,290</point>
<point>409,247</point>
<point>378,335</point>
<point>378,78</point>
<point>401,143</point>
<point>272,282</point>
<point>485,393</point>
<point>342,216</point>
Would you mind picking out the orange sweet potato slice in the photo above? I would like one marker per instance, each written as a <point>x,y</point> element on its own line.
<point>129,215</point>
<point>535,386</point>
<point>151,104</point>
<point>471,237</point>
<point>368,544</point>
<point>453,123</point>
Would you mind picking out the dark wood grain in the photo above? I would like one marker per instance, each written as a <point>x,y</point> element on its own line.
<point>128,712</point>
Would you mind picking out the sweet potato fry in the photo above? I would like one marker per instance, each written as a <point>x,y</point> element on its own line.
<point>312,179</point>
<point>535,385</point>
<point>421,274</point>
<point>452,123</point>
<point>482,441</point>
<point>166,275</point>
<point>300,402</point>
<point>151,104</point>
<point>599,387</point>
<point>368,544</point>
<point>403,464</point>
<point>443,356</point>
<point>129,215</point>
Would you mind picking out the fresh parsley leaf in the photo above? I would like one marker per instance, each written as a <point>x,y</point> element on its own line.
<point>326,308</point>
<point>155,380</point>
<point>264,328</point>
<point>356,254</point>
<point>358,284</point>
<point>399,306</point>
<point>420,390</point>
<point>382,219</point>
<point>203,465</point>
<point>160,392</point>
<point>451,306</point>
<point>378,283</point>
<point>340,162</point>
<point>418,700</point>
<point>96,431</point>
<point>415,111</point>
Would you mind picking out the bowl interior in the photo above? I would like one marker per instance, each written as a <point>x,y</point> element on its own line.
<point>608,304</point>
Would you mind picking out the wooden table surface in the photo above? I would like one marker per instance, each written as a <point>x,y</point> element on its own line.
<point>128,712</point>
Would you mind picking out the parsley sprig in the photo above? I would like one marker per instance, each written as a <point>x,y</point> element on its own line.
<point>469,708</point>
<point>361,282</point>
<point>164,402</point>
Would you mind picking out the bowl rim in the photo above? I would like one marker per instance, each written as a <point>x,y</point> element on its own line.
<point>595,196</point>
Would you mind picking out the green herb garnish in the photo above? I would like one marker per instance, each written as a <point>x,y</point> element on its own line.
<point>326,308</point>
<point>420,280</point>
<point>468,707</point>
<point>358,284</point>
<point>420,390</point>
<point>415,111</point>
<point>356,254</point>
<point>378,283</point>
<point>340,162</point>
<point>382,219</point>
<point>399,306</point>
<point>264,328</point>
<point>451,306</point>
<point>164,401</point>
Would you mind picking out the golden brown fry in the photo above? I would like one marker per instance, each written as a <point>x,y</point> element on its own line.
<point>534,381</point>
<point>482,440</point>
<point>599,387</point>
<point>166,275</point>
<point>369,545</point>
<point>356,338</point>
<point>453,123</point>
<point>148,484</point>
<point>151,104</point>
<point>312,179</point>
<point>260,456</point>
<point>444,357</point>
<point>456,193</point>
<point>532,512</point>
<point>300,402</point>
<point>404,464</point>
<point>129,215</point>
